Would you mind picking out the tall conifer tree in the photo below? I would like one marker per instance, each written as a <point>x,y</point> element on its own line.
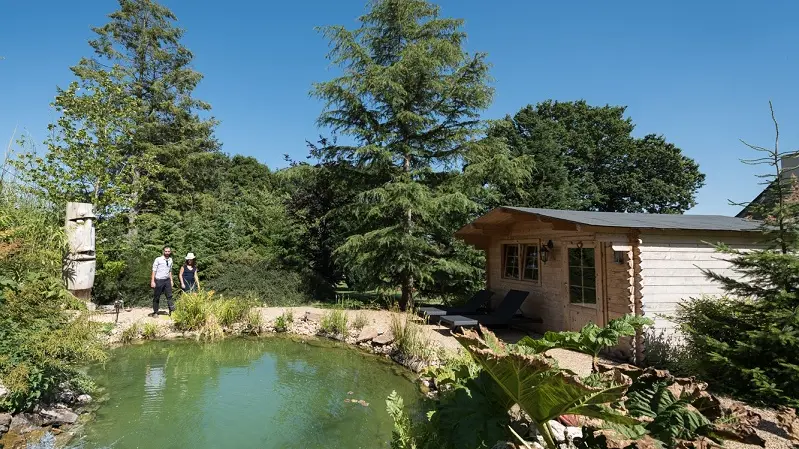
<point>140,49</point>
<point>408,99</point>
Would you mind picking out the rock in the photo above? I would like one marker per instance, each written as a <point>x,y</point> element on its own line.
<point>3,391</point>
<point>558,431</point>
<point>67,396</point>
<point>84,399</point>
<point>384,339</point>
<point>58,417</point>
<point>367,333</point>
<point>23,423</point>
<point>572,433</point>
<point>5,422</point>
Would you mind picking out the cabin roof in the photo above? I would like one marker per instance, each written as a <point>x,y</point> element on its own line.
<point>635,220</point>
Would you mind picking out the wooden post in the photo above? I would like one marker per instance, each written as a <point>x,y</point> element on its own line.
<point>80,263</point>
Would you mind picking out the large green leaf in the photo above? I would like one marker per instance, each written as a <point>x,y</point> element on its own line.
<point>591,339</point>
<point>540,388</point>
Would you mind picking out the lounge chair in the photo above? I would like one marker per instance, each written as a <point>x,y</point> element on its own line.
<point>500,317</point>
<point>470,308</point>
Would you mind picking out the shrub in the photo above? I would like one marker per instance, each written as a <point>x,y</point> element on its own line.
<point>129,334</point>
<point>253,322</point>
<point>150,331</point>
<point>231,311</point>
<point>192,310</point>
<point>271,287</point>
<point>409,339</point>
<point>283,321</point>
<point>211,330</point>
<point>43,341</point>
<point>360,321</point>
<point>209,314</point>
<point>334,322</point>
<point>749,345</point>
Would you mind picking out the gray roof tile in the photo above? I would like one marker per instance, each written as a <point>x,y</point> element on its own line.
<point>646,221</point>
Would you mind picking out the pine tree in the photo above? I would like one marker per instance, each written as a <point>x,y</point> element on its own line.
<point>140,50</point>
<point>408,99</point>
<point>749,341</point>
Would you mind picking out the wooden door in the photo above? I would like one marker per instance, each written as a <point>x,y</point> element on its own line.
<point>584,287</point>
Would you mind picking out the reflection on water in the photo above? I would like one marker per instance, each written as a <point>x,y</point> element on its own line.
<point>271,393</point>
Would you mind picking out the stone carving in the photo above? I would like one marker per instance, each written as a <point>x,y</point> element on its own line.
<point>80,263</point>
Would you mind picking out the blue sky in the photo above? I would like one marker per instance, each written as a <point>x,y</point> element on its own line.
<point>700,73</point>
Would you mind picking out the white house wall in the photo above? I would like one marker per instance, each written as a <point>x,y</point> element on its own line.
<point>671,270</point>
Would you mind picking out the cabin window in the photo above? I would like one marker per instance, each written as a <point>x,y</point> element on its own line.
<point>521,261</point>
<point>530,271</point>
<point>582,276</point>
<point>511,261</point>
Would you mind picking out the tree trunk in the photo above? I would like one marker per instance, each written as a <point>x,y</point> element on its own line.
<point>407,281</point>
<point>406,300</point>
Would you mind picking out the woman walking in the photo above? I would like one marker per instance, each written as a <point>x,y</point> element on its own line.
<point>189,281</point>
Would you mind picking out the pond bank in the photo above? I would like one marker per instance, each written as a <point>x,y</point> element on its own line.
<point>375,336</point>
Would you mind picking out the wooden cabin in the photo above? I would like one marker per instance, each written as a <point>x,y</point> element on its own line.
<point>595,266</point>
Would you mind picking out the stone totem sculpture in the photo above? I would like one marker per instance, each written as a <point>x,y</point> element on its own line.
<point>80,263</point>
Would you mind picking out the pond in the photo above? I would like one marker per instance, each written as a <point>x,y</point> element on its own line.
<point>242,393</point>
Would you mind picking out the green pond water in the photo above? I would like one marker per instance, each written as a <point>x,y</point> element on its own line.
<point>240,393</point>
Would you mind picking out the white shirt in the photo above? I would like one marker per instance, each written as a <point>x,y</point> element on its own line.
<point>162,267</point>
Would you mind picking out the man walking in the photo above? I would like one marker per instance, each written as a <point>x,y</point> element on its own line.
<point>161,280</point>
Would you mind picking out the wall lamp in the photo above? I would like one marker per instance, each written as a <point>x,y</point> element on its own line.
<point>545,250</point>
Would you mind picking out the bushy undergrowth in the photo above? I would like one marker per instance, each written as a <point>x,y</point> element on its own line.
<point>209,314</point>
<point>627,407</point>
<point>253,322</point>
<point>334,322</point>
<point>151,331</point>
<point>409,339</point>
<point>360,321</point>
<point>276,288</point>
<point>44,336</point>
<point>283,321</point>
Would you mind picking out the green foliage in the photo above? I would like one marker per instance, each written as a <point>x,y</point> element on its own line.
<point>130,333</point>
<point>360,321</point>
<point>253,322</point>
<point>408,98</point>
<point>471,411</point>
<point>591,339</point>
<point>88,151</point>
<point>542,389</point>
<point>571,155</point>
<point>273,288</point>
<point>231,310</point>
<point>676,412</point>
<point>283,321</point>
<point>334,322</point>
<point>746,342</point>
<point>409,338</point>
<point>209,315</point>
<point>402,435</point>
<point>151,331</point>
<point>43,339</point>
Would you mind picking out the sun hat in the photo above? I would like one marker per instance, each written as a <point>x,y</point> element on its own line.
<point>189,256</point>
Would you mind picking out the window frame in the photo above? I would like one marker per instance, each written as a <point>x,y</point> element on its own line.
<point>521,254</point>
<point>583,286</point>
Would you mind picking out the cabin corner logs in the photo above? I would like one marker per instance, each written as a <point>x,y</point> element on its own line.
<point>80,262</point>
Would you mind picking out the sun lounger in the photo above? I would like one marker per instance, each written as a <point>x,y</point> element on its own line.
<point>470,308</point>
<point>500,317</point>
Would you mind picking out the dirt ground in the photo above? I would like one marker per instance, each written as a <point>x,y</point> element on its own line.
<point>439,336</point>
